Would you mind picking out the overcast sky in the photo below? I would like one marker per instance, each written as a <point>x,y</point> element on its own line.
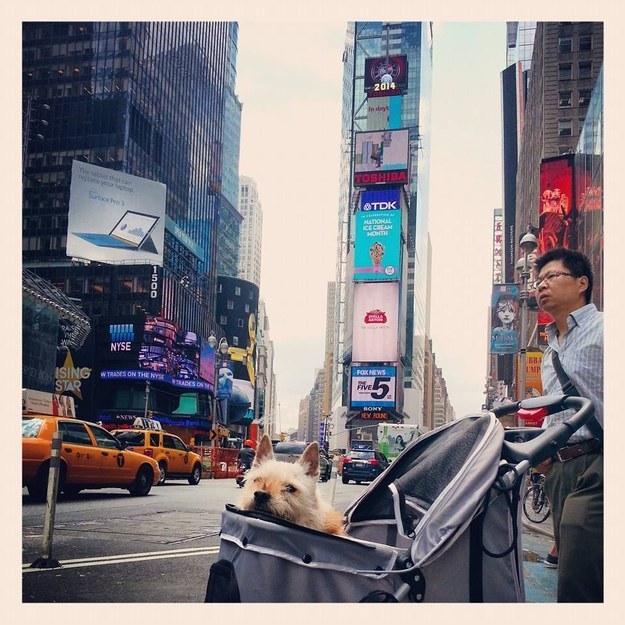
<point>290,83</point>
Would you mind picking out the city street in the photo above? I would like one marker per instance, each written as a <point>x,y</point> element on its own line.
<point>114,548</point>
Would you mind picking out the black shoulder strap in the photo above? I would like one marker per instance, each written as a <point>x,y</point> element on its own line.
<point>570,389</point>
<point>567,386</point>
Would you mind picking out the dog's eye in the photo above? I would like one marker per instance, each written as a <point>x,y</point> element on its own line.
<point>289,488</point>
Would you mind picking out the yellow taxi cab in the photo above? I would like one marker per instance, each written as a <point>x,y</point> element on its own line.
<point>175,459</point>
<point>90,458</point>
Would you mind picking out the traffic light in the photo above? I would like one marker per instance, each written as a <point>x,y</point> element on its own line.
<point>282,435</point>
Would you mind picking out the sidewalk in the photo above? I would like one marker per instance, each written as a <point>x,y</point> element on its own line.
<point>545,528</point>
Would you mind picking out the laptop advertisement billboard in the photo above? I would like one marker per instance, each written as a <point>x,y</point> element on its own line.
<point>115,217</point>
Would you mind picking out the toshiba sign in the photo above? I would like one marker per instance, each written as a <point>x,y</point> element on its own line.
<point>381,158</point>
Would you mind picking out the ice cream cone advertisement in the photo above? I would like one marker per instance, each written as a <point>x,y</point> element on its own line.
<point>377,248</point>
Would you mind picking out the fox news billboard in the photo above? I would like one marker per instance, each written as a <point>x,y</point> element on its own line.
<point>115,217</point>
<point>375,329</point>
<point>381,158</point>
<point>386,76</point>
<point>377,246</point>
<point>373,387</point>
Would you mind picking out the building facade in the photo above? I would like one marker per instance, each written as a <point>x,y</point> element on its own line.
<point>367,45</point>
<point>552,140</point>
<point>142,99</point>
<point>251,231</point>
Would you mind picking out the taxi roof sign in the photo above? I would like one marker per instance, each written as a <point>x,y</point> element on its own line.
<point>143,423</point>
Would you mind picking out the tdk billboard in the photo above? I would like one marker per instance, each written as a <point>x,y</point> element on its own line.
<point>387,199</point>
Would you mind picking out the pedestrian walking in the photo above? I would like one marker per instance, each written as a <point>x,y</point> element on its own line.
<point>573,364</point>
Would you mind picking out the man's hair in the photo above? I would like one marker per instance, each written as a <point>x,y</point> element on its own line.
<point>575,262</point>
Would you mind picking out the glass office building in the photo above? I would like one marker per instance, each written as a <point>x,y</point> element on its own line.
<point>411,111</point>
<point>146,99</point>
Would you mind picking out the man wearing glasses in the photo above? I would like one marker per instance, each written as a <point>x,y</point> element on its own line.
<point>574,475</point>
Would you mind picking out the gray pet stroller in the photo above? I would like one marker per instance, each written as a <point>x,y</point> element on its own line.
<point>441,524</point>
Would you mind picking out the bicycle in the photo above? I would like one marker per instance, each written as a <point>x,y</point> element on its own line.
<point>536,505</point>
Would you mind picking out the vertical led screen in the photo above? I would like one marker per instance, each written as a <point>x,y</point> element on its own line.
<point>114,216</point>
<point>498,247</point>
<point>504,336</point>
<point>375,322</point>
<point>377,247</point>
<point>386,76</point>
<point>381,157</point>
<point>556,210</point>
<point>589,228</point>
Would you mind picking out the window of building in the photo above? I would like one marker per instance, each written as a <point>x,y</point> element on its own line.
<point>235,341</point>
<point>564,99</point>
<point>237,290</point>
<point>565,128</point>
<point>585,43</point>
<point>240,323</point>
<point>584,97</point>
<point>564,71</point>
<point>230,304</point>
<point>564,44</point>
<point>223,320</point>
<point>585,69</point>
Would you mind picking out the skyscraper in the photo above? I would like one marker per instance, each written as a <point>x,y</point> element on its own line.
<point>142,98</point>
<point>151,102</point>
<point>390,48</point>
<point>251,231</point>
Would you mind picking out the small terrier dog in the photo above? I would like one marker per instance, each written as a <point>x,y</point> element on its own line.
<point>289,490</point>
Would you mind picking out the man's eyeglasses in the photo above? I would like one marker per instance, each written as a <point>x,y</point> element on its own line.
<point>547,278</point>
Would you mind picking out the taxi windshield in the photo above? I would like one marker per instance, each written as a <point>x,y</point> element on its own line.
<point>31,427</point>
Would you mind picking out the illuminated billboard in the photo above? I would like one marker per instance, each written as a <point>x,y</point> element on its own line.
<point>556,210</point>
<point>375,329</point>
<point>381,158</point>
<point>386,76</point>
<point>377,246</point>
<point>373,387</point>
<point>504,336</point>
<point>155,349</point>
<point>114,216</point>
<point>380,200</point>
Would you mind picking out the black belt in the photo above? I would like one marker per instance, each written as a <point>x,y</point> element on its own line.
<point>564,454</point>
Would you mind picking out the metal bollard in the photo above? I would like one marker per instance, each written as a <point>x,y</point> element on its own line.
<point>335,466</point>
<point>46,561</point>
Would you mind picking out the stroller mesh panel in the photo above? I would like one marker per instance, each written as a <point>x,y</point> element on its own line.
<point>431,473</point>
<point>423,477</point>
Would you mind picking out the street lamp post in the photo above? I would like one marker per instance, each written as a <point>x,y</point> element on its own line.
<point>222,352</point>
<point>528,244</point>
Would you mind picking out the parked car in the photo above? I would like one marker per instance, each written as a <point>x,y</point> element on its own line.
<point>91,457</point>
<point>363,465</point>
<point>174,458</point>
<point>291,451</point>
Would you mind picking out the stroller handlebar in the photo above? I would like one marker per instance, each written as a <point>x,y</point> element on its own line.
<point>543,443</point>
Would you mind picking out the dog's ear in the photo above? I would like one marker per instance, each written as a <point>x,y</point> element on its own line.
<point>264,451</point>
<point>310,459</point>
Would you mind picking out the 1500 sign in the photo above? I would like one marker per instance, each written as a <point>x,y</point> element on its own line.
<point>373,388</point>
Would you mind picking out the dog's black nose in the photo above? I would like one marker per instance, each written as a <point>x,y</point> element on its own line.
<point>260,496</point>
